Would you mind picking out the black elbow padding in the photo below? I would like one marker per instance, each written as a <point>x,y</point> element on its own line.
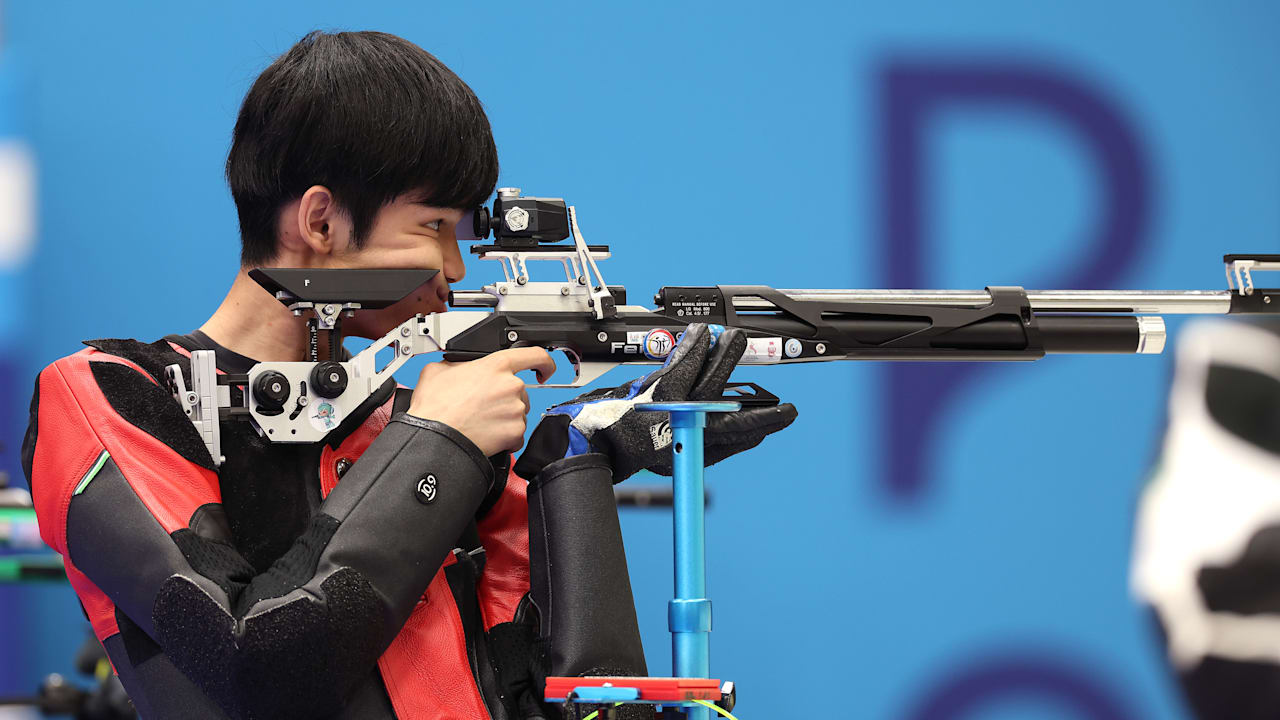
<point>297,659</point>
<point>296,640</point>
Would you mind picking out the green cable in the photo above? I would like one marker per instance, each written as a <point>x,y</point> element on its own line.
<point>715,707</point>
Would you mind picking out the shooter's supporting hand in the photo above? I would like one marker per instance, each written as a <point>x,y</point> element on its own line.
<point>605,421</point>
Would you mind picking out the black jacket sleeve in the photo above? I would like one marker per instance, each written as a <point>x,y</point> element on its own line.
<point>578,578</point>
<point>292,641</point>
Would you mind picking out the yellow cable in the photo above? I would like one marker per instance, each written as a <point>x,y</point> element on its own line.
<point>713,706</point>
<point>594,713</point>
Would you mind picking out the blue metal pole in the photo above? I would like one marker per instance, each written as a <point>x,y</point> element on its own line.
<point>689,614</point>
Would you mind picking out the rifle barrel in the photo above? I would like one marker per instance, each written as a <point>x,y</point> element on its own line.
<point>1154,302</point>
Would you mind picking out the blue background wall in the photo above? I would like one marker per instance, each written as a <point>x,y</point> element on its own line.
<point>924,542</point>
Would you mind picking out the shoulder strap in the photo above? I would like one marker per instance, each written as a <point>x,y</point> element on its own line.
<point>403,396</point>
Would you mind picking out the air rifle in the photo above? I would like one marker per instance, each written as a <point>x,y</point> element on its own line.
<point>591,322</point>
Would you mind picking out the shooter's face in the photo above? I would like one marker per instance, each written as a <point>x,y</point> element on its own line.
<point>406,234</point>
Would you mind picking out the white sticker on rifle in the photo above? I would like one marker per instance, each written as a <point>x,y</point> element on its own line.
<point>762,351</point>
<point>658,344</point>
<point>635,337</point>
<point>324,417</point>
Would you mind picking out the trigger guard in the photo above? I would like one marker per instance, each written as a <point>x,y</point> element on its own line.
<point>574,359</point>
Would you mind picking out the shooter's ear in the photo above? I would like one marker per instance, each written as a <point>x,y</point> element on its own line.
<point>318,219</point>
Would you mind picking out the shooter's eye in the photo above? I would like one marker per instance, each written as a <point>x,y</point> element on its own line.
<point>434,224</point>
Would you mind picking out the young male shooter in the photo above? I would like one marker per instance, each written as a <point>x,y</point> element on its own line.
<point>313,580</point>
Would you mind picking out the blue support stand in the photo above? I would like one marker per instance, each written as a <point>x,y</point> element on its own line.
<point>689,614</point>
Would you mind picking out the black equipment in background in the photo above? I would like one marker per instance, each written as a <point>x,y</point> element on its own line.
<point>104,700</point>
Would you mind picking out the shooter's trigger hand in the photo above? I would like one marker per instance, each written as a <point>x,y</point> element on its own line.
<point>606,421</point>
<point>483,399</point>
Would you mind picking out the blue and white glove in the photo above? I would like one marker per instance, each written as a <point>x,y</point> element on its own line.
<point>606,421</point>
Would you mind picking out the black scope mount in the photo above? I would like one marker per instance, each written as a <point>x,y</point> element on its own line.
<point>517,223</point>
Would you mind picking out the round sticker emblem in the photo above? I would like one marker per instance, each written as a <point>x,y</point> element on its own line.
<point>324,417</point>
<point>658,344</point>
<point>792,347</point>
<point>426,489</point>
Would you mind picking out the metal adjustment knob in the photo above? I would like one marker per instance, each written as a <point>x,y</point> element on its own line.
<point>728,696</point>
<point>271,390</point>
<point>328,379</point>
<point>480,222</point>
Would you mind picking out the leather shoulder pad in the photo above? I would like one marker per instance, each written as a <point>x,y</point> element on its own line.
<point>146,404</point>
<point>151,357</point>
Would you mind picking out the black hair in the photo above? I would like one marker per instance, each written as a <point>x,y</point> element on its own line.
<point>370,116</point>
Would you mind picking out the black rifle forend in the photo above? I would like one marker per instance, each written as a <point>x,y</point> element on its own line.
<point>785,330</point>
<point>906,332</point>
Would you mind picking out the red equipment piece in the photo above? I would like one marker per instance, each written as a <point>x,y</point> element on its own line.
<point>652,689</point>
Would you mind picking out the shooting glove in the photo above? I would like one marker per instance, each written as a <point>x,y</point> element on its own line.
<point>606,421</point>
